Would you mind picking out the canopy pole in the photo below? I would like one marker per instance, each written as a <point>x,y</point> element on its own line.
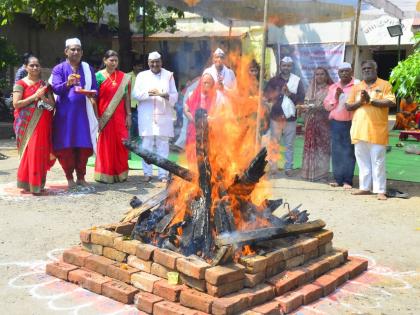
<point>355,35</point>
<point>261,83</point>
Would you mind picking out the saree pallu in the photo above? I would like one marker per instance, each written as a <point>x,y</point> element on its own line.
<point>33,129</point>
<point>112,157</point>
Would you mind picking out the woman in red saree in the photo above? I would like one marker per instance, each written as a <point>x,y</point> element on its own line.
<point>317,147</point>
<point>205,96</point>
<point>33,103</point>
<point>114,121</point>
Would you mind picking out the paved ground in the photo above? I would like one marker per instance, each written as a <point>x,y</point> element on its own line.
<point>34,230</point>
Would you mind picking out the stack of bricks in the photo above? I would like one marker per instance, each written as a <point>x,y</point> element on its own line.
<point>296,271</point>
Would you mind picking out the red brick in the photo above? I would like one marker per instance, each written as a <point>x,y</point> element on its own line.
<point>144,301</point>
<point>197,284</point>
<point>293,250</point>
<point>76,256</point>
<point>295,261</point>
<point>323,236</point>
<point>269,308</point>
<point>145,251</point>
<point>93,281</point>
<point>311,255</point>
<point>290,301</point>
<point>77,276</point>
<point>121,272</point>
<point>225,289</point>
<point>140,264</point>
<point>251,280</point>
<point>335,259</point>
<point>356,266</point>
<point>260,294</point>
<point>310,293</point>
<point>124,228</point>
<point>60,269</point>
<point>275,269</point>
<point>223,274</point>
<point>98,264</point>
<point>168,291</point>
<point>286,281</point>
<point>345,252</point>
<point>119,291</point>
<point>85,236</point>
<point>230,305</point>
<point>341,274</point>
<point>254,264</point>
<point>114,254</point>
<point>159,270</point>
<point>196,300</point>
<point>308,244</point>
<point>192,267</point>
<point>126,246</point>
<point>318,267</point>
<point>325,248</point>
<point>276,256</point>
<point>144,281</point>
<point>328,284</point>
<point>103,237</point>
<point>170,308</point>
<point>308,277</point>
<point>166,257</point>
<point>93,248</point>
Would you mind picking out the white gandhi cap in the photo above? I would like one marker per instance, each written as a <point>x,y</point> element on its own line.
<point>344,65</point>
<point>154,55</point>
<point>287,59</point>
<point>219,52</point>
<point>73,41</point>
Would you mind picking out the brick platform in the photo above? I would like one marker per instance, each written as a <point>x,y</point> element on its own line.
<point>295,272</point>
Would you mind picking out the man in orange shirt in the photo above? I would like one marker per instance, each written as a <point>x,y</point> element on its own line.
<point>370,100</point>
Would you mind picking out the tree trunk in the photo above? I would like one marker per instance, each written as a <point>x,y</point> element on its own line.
<point>124,36</point>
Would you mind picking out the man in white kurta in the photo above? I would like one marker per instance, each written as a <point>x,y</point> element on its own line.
<point>156,93</point>
<point>222,75</point>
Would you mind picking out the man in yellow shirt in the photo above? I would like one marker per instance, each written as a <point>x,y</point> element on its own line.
<point>370,100</point>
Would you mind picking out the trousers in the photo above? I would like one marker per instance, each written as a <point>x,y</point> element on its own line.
<point>159,145</point>
<point>371,161</point>
<point>282,132</point>
<point>72,159</point>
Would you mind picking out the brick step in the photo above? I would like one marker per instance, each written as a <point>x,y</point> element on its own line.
<point>323,285</point>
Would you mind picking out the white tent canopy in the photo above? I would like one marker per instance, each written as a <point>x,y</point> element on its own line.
<point>400,9</point>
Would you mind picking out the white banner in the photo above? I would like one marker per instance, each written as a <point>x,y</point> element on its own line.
<point>307,57</point>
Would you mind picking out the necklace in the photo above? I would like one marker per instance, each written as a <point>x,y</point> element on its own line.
<point>114,82</point>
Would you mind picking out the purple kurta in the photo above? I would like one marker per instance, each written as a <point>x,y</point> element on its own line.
<point>71,125</point>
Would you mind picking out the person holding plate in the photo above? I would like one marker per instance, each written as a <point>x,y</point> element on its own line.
<point>75,124</point>
<point>114,110</point>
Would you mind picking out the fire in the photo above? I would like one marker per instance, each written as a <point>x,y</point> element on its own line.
<point>232,145</point>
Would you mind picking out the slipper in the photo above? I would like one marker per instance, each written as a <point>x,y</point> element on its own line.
<point>334,184</point>
<point>395,193</point>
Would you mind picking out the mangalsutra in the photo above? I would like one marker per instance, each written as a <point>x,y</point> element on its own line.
<point>114,82</point>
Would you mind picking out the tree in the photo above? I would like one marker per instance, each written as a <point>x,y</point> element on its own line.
<point>54,13</point>
<point>405,77</point>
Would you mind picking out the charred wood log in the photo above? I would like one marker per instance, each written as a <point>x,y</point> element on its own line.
<point>159,161</point>
<point>147,205</point>
<point>245,184</point>
<point>254,236</point>
<point>223,217</point>
<point>201,217</point>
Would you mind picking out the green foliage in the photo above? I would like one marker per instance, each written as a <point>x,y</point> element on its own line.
<point>53,13</point>
<point>405,77</point>
<point>8,55</point>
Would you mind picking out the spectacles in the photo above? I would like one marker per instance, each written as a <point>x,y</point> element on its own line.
<point>34,66</point>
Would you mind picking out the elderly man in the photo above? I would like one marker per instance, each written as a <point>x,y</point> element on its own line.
<point>156,94</point>
<point>222,75</point>
<point>284,91</point>
<point>370,101</point>
<point>342,150</point>
<point>75,123</point>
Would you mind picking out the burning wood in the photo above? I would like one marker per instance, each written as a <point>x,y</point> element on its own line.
<point>159,161</point>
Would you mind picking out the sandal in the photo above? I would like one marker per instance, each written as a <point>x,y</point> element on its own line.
<point>334,184</point>
<point>395,193</point>
<point>361,193</point>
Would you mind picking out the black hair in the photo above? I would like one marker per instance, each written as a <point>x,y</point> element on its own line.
<point>26,61</point>
<point>111,53</point>
<point>26,56</point>
<point>371,62</point>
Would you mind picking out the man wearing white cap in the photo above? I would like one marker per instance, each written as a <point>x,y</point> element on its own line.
<point>75,123</point>
<point>156,93</point>
<point>284,91</point>
<point>222,75</point>
<point>342,150</point>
